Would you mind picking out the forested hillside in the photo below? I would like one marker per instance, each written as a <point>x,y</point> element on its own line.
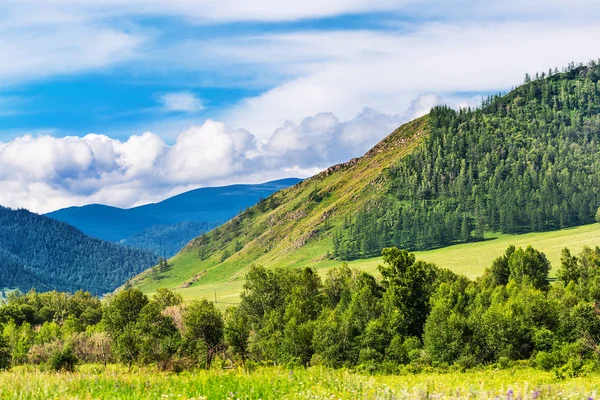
<point>524,162</point>
<point>167,240</point>
<point>39,252</point>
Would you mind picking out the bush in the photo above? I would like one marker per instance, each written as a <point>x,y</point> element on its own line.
<point>367,355</point>
<point>543,339</point>
<point>413,348</point>
<point>547,361</point>
<point>466,361</point>
<point>41,353</point>
<point>569,370</point>
<point>63,360</point>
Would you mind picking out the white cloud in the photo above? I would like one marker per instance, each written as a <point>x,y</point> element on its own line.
<point>44,173</point>
<point>344,71</point>
<point>181,101</point>
<point>212,11</point>
<point>49,50</point>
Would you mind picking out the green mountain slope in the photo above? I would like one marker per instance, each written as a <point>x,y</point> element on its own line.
<point>524,162</point>
<point>279,229</point>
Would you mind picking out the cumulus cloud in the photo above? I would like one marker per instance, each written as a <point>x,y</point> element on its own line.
<point>181,101</point>
<point>43,173</point>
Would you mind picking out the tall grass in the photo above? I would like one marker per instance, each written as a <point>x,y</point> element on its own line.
<point>116,382</point>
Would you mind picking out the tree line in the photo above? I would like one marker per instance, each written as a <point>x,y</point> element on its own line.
<point>523,162</point>
<point>414,316</point>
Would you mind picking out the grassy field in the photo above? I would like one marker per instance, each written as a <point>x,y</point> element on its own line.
<point>114,382</point>
<point>467,259</point>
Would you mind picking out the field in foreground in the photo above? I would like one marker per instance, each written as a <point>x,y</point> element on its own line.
<point>95,382</point>
<point>467,259</point>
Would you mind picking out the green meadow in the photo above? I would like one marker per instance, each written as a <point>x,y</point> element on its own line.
<point>117,382</point>
<point>225,284</point>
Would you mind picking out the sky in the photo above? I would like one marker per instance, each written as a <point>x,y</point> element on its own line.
<point>126,102</point>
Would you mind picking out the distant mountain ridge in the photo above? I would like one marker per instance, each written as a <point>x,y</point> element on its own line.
<point>45,254</point>
<point>164,227</point>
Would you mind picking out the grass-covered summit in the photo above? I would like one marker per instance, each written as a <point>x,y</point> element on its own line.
<point>523,162</point>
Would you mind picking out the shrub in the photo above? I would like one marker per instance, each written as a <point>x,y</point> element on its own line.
<point>547,361</point>
<point>466,361</point>
<point>63,360</point>
<point>41,353</point>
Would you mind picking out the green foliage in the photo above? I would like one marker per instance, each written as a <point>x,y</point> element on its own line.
<point>529,264</point>
<point>5,353</point>
<point>445,332</point>
<point>500,270</point>
<point>409,285</point>
<point>167,298</point>
<point>37,251</point>
<point>203,329</point>
<point>237,332</point>
<point>158,337</point>
<point>582,270</point>
<point>127,345</point>
<point>415,317</point>
<point>63,360</point>
<point>122,310</point>
<point>522,162</point>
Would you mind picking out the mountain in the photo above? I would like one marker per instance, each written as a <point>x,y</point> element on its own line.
<point>39,252</point>
<point>522,162</point>
<point>166,227</point>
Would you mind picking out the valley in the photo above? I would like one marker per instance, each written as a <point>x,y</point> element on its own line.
<point>260,200</point>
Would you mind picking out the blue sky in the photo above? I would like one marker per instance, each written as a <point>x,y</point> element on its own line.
<point>125,102</point>
<point>118,99</point>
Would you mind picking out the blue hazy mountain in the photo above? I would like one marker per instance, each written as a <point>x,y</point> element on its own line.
<point>167,226</point>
